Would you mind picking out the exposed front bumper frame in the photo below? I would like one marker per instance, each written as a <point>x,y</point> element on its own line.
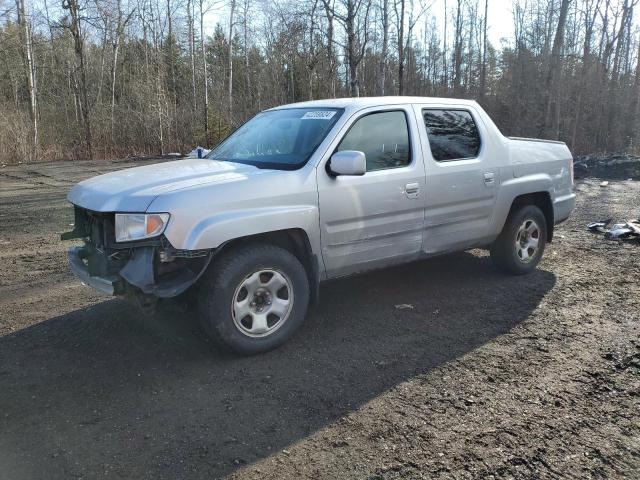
<point>79,269</point>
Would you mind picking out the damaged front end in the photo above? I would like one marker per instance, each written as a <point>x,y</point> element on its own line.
<point>143,270</point>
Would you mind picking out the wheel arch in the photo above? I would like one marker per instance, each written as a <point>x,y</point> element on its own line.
<point>542,200</point>
<point>294,240</point>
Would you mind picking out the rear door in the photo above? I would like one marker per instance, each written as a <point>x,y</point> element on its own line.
<point>462,177</point>
<point>375,219</point>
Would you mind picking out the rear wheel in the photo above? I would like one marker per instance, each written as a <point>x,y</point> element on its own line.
<point>519,247</point>
<point>254,299</point>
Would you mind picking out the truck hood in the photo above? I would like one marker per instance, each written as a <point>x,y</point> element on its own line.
<point>133,189</point>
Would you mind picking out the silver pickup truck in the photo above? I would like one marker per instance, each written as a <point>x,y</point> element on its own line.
<point>313,191</point>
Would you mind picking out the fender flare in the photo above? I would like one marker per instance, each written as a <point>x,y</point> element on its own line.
<point>517,187</point>
<point>213,231</point>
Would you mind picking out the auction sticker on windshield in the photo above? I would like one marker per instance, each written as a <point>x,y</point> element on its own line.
<point>319,115</point>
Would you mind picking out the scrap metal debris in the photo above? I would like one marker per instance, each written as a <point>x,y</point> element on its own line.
<point>404,306</point>
<point>629,230</point>
<point>600,226</point>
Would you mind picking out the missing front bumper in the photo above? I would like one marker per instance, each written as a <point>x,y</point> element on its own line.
<point>140,274</point>
<point>102,284</point>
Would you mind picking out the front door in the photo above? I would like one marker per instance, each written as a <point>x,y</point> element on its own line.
<point>375,219</point>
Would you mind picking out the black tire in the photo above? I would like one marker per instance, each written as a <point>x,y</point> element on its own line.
<point>222,287</point>
<point>506,255</point>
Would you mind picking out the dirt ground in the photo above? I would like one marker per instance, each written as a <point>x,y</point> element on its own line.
<point>486,377</point>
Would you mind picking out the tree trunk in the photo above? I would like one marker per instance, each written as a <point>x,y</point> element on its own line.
<point>158,85</point>
<point>103,56</point>
<point>205,76</point>
<point>445,78</point>
<point>80,73</point>
<point>230,65</point>
<point>352,48</point>
<point>483,72</point>
<point>192,57</point>
<point>382,67</point>
<point>330,57</point>
<point>551,123</point>
<point>457,52</point>
<point>626,13</point>
<point>634,111</point>
<point>116,48</point>
<point>589,21</point>
<point>173,90</point>
<point>247,71</point>
<point>401,48</point>
<point>27,53</point>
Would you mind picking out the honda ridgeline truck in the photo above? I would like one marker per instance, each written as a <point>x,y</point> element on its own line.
<point>312,191</point>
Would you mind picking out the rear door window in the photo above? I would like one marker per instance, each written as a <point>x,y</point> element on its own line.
<point>383,137</point>
<point>453,134</point>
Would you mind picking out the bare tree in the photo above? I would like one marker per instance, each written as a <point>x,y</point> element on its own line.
<point>457,50</point>
<point>232,9</point>
<point>29,68</point>
<point>204,9</point>
<point>384,53</point>
<point>400,27</point>
<point>329,6</point>
<point>445,69</point>
<point>404,39</point>
<point>485,44</point>
<point>571,72</point>
<point>121,20</point>
<point>632,126</point>
<point>355,21</point>
<point>192,52</point>
<point>79,72</point>
<point>553,77</point>
<point>247,67</point>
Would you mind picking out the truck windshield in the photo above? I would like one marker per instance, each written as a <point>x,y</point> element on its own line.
<point>279,139</point>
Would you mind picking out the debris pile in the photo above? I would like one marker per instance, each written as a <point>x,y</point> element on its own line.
<point>612,166</point>
<point>629,230</point>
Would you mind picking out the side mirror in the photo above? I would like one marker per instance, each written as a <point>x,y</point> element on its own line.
<point>348,162</point>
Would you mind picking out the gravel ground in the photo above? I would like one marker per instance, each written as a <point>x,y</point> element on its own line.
<point>486,376</point>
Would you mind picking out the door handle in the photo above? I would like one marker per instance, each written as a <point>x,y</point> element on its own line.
<point>489,178</point>
<point>412,190</point>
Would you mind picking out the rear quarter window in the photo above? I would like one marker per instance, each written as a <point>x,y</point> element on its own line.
<point>452,134</point>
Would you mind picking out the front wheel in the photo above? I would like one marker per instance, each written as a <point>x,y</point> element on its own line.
<point>519,247</point>
<point>254,299</point>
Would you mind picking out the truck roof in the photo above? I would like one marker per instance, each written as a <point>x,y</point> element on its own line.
<point>364,102</point>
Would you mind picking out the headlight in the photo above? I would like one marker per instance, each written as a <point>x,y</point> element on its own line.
<point>136,226</point>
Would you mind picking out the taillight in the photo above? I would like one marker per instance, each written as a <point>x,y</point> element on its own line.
<point>571,169</point>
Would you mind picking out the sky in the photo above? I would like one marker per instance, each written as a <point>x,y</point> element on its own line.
<point>500,18</point>
<point>499,26</point>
